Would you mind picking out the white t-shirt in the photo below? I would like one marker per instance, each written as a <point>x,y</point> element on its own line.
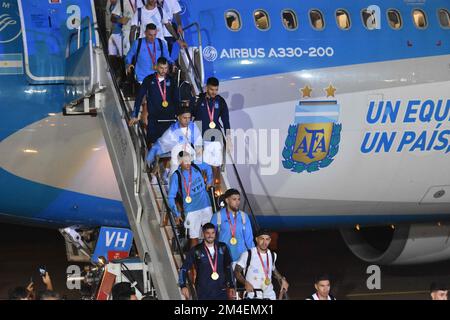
<point>212,251</point>
<point>129,9</point>
<point>152,16</point>
<point>172,7</point>
<point>256,275</point>
<point>316,297</point>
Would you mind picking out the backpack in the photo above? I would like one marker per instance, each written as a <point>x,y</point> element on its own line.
<point>136,57</point>
<point>249,259</point>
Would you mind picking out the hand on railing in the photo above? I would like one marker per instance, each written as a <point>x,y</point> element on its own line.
<point>284,285</point>
<point>180,30</point>
<point>231,293</point>
<point>179,220</point>
<point>182,43</point>
<point>130,69</point>
<point>283,295</point>
<point>186,293</point>
<point>249,287</point>
<point>284,289</point>
<point>134,121</point>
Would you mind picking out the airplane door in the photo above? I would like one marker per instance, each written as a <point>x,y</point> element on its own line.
<point>46,28</point>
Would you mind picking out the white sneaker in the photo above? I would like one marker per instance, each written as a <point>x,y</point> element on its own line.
<point>154,180</point>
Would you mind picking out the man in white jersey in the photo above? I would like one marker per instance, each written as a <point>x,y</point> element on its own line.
<point>151,13</point>
<point>256,267</point>
<point>174,9</point>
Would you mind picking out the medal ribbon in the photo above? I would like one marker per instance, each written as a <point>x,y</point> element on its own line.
<point>232,226</point>
<point>152,56</point>
<point>163,92</point>
<point>211,113</point>
<point>266,270</point>
<point>213,265</point>
<point>187,138</point>
<point>187,187</point>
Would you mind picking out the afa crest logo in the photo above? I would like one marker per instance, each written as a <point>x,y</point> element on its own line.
<point>313,141</point>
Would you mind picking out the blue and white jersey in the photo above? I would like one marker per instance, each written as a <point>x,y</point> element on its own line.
<point>176,138</point>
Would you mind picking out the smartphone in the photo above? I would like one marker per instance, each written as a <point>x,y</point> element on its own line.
<point>42,271</point>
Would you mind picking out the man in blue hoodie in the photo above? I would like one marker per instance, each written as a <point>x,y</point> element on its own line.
<point>233,226</point>
<point>189,185</point>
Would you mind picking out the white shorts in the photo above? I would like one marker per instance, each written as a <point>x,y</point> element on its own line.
<point>195,221</point>
<point>115,45</point>
<point>213,153</point>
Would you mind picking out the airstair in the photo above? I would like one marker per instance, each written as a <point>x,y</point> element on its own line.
<point>93,90</point>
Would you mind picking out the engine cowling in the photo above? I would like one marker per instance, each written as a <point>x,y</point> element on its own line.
<point>402,245</point>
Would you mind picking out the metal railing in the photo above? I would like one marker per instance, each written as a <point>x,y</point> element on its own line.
<point>197,75</point>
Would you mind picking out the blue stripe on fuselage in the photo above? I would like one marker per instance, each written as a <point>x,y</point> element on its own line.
<point>34,201</point>
<point>354,46</point>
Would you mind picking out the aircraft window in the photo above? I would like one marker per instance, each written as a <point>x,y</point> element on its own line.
<point>343,19</point>
<point>395,19</point>
<point>261,20</point>
<point>370,20</point>
<point>317,20</point>
<point>420,19</point>
<point>444,18</point>
<point>233,20</point>
<point>289,20</point>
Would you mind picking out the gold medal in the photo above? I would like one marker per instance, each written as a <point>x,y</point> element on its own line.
<point>188,199</point>
<point>165,104</point>
<point>155,68</point>
<point>212,125</point>
<point>233,241</point>
<point>215,276</point>
<point>267,282</point>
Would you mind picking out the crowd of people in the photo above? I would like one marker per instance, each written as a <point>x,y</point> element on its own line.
<point>29,293</point>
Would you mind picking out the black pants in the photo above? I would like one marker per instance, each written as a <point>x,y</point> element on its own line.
<point>156,129</point>
<point>211,294</point>
<point>170,42</point>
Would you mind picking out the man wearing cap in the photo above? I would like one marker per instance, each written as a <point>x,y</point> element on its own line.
<point>183,135</point>
<point>212,262</point>
<point>188,185</point>
<point>323,285</point>
<point>256,268</point>
<point>439,291</point>
<point>233,226</point>
<point>162,98</point>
